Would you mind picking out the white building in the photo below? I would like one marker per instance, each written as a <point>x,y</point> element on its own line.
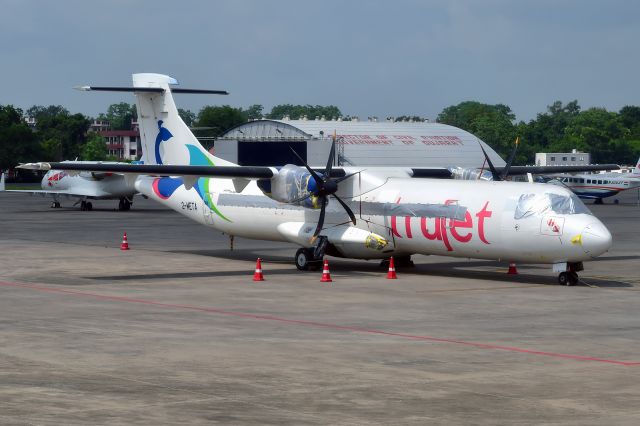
<point>360,143</point>
<point>573,158</point>
<point>123,144</point>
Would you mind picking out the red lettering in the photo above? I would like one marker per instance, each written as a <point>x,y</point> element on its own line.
<point>482,215</point>
<point>407,225</point>
<point>425,231</point>
<point>394,227</point>
<point>443,231</point>
<point>468,223</point>
<point>394,223</point>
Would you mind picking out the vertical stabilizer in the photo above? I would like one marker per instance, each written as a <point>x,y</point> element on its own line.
<point>2,187</point>
<point>164,137</point>
<point>636,170</point>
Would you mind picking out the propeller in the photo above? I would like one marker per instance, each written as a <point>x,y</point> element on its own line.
<point>324,186</point>
<point>505,172</point>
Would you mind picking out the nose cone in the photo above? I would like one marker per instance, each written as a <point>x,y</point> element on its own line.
<point>596,239</point>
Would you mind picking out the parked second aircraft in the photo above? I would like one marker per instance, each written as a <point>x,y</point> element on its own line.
<point>83,186</point>
<point>599,186</point>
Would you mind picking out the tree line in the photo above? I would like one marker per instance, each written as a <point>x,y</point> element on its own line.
<point>611,137</point>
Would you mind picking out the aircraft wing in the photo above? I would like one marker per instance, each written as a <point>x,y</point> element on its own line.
<point>258,172</point>
<point>81,193</point>
<point>246,172</point>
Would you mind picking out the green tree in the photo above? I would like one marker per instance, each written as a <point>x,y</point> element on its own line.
<point>296,112</point>
<point>40,112</point>
<point>254,112</point>
<point>17,141</point>
<point>630,118</point>
<point>94,149</point>
<point>219,119</point>
<point>120,115</point>
<point>59,133</point>
<point>595,130</point>
<point>491,123</point>
<point>187,116</point>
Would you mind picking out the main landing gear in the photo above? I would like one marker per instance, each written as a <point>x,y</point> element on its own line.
<point>570,275</point>
<point>86,206</point>
<point>55,205</point>
<point>310,259</point>
<point>124,204</point>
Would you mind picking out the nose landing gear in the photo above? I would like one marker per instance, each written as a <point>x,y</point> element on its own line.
<point>569,276</point>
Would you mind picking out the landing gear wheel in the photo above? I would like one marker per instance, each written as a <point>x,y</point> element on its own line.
<point>83,205</point>
<point>89,206</point>
<point>568,278</point>
<point>124,205</point>
<point>304,259</point>
<point>598,201</point>
<point>55,205</point>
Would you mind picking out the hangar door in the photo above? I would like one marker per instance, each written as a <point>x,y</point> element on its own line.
<point>270,153</point>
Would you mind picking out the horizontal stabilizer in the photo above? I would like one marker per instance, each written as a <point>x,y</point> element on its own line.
<point>149,90</point>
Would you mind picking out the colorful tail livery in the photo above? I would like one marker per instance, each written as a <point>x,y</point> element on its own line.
<point>166,139</point>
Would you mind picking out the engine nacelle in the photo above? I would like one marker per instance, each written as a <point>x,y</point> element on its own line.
<point>348,240</point>
<point>292,185</point>
<point>470,174</point>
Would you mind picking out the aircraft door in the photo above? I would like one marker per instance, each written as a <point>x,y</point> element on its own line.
<point>208,214</point>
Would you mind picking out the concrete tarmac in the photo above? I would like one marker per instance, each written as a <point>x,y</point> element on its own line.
<point>175,330</point>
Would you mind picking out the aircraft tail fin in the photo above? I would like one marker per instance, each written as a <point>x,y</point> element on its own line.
<point>2,187</point>
<point>164,137</point>
<point>636,170</point>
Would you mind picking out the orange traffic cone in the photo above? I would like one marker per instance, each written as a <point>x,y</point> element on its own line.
<point>257,275</point>
<point>512,269</point>
<point>326,275</point>
<point>391,275</point>
<point>125,243</point>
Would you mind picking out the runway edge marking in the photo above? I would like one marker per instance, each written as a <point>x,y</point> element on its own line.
<point>317,324</point>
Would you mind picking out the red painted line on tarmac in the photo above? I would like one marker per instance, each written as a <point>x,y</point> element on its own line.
<point>317,324</point>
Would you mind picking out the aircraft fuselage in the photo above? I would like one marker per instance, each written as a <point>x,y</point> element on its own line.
<point>496,220</point>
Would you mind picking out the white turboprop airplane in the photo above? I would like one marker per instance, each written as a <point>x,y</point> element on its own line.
<point>83,186</point>
<point>370,213</point>
<point>599,186</point>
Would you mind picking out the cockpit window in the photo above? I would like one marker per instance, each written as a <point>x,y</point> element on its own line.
<point>539,204</point>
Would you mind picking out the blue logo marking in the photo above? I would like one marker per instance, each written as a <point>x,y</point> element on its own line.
<point>163,135</point>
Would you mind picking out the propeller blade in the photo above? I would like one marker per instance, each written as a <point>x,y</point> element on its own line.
<point>318,179</point>
<point>299,200</point>
<point>494,172</point>
<point>346,208</point>
<point>320,219</point>
<point>346,177</point>
<point>332,154</point>
<point>505,171</point>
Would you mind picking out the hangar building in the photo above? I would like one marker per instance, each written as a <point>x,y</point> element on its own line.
<point>360,143</point>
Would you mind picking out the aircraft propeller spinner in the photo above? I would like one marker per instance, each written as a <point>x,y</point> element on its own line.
<point>323,186</point>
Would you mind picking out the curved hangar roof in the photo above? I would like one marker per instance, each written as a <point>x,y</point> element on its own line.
<point>371,143</point>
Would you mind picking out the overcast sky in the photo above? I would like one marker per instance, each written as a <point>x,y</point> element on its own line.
<point>370,58</point>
